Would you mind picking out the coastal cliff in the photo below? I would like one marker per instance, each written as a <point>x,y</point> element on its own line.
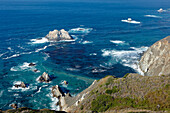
<point>156,60</point>
<point>133,92</point>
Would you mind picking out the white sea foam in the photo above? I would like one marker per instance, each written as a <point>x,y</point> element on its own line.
<point>87,42</point>
<point>119,42</point>
<point>72,69</point>
<point>93,54</point>
<point>98,70</point>
<point>39,40</point>
<point>126,57</point>
<point>38,50</point>
<point>153,16</point>
<point>132,22</point>
<point>80,30</point>
<point>47,56</point>
<point>54,102</point>
<point>67,40</point>
<point>1,93</point>
<point>23,67</point>
<point>3,54</point>
<point>17,55</point>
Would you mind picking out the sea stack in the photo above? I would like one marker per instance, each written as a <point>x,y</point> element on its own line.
<point>58,35</point>
<point>156,60</point>
<point>44,78</point>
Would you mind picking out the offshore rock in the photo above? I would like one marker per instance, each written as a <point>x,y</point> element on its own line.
<point>44,78</point>
<point>156,60</point>
<point>58,35</point>
<point>22,85</point>
<point>31,64</point>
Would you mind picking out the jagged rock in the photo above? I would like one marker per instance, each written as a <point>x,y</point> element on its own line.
<point>31,64</point>
<point>58,35</point>
<point>65,82</point>
<point>156,60</point>
<point>57,92</point>
<point>14,106</point>
<point>22,85</point>
<point>44,78</point>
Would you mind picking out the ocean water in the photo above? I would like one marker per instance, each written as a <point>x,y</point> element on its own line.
<point>108,46</point>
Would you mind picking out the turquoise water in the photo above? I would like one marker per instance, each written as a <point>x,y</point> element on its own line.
<point>107,47</point>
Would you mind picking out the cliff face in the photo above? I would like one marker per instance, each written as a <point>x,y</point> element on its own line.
<point>156,60</point>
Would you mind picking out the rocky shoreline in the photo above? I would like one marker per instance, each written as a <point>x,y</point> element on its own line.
<point>155,63</point>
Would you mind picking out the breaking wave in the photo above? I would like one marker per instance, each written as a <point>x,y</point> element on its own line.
<point>80,30</point>
<point>39,40</point>
<point>153,16</point>
<point>127,58</point>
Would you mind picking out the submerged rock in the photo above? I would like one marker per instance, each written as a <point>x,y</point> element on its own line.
<point>36,70</point>
<point>58,35</point>
<point>22,85</point>
<point>31,64</point>
<point>156,60</point>
<point>44,78</point>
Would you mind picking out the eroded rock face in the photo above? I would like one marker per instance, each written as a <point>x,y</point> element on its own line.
<point>58,35</point>
<point>56,91</point>
<point>156,60</point>
<point>44,78</point>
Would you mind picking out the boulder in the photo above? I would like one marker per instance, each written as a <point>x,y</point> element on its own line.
<point>22,85</point>
<point>65,82</point>
<point>14,106</point>
<point>58,35</point>
<point>44,78</point>
<point>156,60</point>
<point>31,64</point>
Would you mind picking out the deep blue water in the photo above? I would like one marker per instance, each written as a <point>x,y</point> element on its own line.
<point>114,47</point>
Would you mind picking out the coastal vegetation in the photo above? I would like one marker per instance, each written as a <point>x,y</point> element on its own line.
<point>133,91</point>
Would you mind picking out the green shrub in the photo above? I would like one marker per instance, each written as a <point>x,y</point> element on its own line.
<point>126,75</point>
<point>81,107</point>
<point>113,90</point>
<point>102,103</point>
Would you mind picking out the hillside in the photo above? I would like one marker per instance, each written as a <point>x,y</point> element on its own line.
<point>131,93</point>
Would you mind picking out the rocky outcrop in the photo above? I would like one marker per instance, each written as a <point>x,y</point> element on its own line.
<point>44,78</point>
<point>156,60</point>
<point>22,85</point>
<point>58,35</point>
<point>58,93</point>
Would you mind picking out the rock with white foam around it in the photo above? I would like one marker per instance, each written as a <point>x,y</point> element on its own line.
<point>22,85</point>
<point>58,35</point>
<point>44,78</point>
